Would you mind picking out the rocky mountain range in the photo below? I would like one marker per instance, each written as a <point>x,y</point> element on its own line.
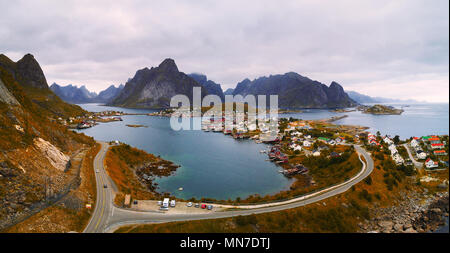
<point>361,98</point>
<point>229,91</point>
<point>153,88</point>
<point>296,91</point>
<point>212,87</point>
<point>79,95</point>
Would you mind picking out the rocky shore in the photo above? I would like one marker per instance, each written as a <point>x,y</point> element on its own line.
<point>415,213</point>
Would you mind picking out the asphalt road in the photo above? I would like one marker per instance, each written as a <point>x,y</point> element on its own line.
<point>416,163</point>
<point>107,218</point>
<point>104,200</point>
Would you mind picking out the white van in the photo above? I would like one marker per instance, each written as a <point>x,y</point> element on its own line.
<point>165,202</point>
<point>172,203</point>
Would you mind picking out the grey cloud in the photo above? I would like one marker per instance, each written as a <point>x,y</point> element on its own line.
<point>353,42</point>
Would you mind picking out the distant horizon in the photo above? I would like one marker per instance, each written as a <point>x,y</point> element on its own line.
<point>386,49</point>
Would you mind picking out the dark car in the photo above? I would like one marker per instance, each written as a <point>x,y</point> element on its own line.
<point>105,186</point>
<point>135,202</point>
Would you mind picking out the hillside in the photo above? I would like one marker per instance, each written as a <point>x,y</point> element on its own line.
<point>296,91</point>
<point>36,166</point>
<point>153,88</point>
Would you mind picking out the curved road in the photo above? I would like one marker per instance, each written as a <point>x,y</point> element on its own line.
<point>104,199</point>
<point>107,218</point>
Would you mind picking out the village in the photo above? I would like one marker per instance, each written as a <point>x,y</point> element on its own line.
<point>293,136</point>
<point>91,119</point>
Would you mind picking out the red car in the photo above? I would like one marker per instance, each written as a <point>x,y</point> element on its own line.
<point>203,206</point>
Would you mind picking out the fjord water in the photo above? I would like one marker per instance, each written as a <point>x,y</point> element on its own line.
<point>212,164</point>
<point>217,166</point>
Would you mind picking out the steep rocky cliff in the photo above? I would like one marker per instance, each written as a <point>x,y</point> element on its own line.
<point>296,91</point>
<point>153,88</point>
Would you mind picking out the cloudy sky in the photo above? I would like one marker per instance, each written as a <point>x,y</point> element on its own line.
<point>397,49</point>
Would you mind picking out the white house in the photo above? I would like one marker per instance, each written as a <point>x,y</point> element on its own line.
<point>398,159</point>
<point>414,143</point>
<point>393,149</point>
<point>387,140</point>
<point>307,144</point>
<point>296,147</point>
<point>430,163</point>
<point>421,155</point>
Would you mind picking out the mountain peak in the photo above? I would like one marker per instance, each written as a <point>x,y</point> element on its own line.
<point>30,70</point>
<point>335,85</point>
<point>168,65</point>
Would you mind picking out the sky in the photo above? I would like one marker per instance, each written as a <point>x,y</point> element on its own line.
<point>394,49</point>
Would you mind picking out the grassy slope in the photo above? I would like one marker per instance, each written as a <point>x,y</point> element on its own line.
<point>120,161</point>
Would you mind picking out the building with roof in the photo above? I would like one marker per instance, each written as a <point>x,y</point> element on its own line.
<point>430,164</point>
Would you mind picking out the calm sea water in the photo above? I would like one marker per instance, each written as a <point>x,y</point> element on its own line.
<point>416,120</point>
<point>212,164</point>
<point>217,166</point>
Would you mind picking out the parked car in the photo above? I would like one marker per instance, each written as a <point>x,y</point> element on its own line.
<point>135,202</point>
<point>189,204</point>
<point>159,203</point>
<point>203,206</point>
<point>172,203</point>
<point>97,171</point>
<point>105,186</point>
<point>210,207</point>
<point>197,205</point>
<point>164,208</point>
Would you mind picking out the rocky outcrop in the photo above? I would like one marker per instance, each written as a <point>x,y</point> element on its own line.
<point>154,88</point>
<point>56,158</point>
<point>26,71</point>
<point>296,91</point>
<point>415,213</point>
<point>380,110</point>
<point>6,96</point>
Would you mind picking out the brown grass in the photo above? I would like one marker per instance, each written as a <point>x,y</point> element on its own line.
<point>120,162</point>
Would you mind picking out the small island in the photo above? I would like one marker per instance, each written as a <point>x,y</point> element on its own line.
<point>380,110</point>
<point>135,126</point>
<point>340,110</point>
